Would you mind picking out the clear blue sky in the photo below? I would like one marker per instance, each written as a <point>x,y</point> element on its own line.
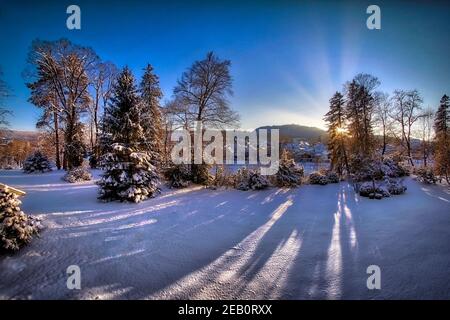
<point>288,57</point>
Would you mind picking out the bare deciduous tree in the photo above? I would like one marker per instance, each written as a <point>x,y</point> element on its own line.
<point>61,73</point>
<point>382,118</point>
<point>203,91</point>
<point>405,112</point>
<point>426,133</point>
<point>103,78</point>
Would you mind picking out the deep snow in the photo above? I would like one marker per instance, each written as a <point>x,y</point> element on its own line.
<point>310,242</point>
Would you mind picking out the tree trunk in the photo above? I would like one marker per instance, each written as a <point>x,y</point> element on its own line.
<point>57,151</point>
<point>384,143</point>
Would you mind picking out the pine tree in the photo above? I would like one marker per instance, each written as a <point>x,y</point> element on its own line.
<point>289,174</point>
<point>129,174</point>
<point>442,131</point>
<point>16,228</point>
<point>151,114</point>
<point>359,110</point>
<point>37,162</point>
<point>336,133</point>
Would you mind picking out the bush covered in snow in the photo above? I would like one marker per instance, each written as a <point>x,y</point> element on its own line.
<point>392,169</point>
<point>128,176</point>
<point>177,176</point>
<point>368,169</point>
<point>221,178</point>
<point>332,177</point>
<point>37,162</point>
<point>78,175</point>
<point>395,186</point>
<point>426,175</point>
<point>317,178</point>
<point>379,190</point>
<point>16,228</point>
<point>289,174</point>
<point>323,177</point>
<point>247,179</point>
<point>200,174</point>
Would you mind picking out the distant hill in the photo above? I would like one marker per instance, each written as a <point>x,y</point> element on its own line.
<point>31,136</point>
<point>289,131</point>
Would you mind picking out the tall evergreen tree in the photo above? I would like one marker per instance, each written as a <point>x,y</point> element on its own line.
<point>336,132</point>
<point>151,114</point>
<point>129,174</point>
<point>359,111</point>
<point>442,131</point>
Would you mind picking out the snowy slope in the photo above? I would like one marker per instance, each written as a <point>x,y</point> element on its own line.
<point>306,243</point>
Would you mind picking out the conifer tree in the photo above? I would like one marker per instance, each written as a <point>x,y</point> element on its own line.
<point>289,174</point>
<point>16,228</point>
<point>336,133</point>
<point>442,131</point>
<point>360,104</point>
<point>129,174</point>
<point>151,114</point>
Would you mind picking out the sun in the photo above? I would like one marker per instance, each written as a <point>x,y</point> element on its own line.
<point>340,130</point>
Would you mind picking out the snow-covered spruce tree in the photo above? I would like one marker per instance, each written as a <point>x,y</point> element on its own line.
<point>442,139</point>
<point>16,228</point>
<point>336,133</point>
<point>37,163</point>
<point>289,174</point>
<point>129,174</point>
<point>151,116</point>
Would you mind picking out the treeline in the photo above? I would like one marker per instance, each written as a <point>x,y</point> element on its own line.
<point>360,112</point>
<point>91,107</point>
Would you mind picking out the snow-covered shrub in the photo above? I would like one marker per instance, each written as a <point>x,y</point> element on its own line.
<point>289,174</point>
<point>392,169</point>
<point>257,181</point>
<point>332,177</point>
<point>16,228</point>
<point>364,169</point>
<point>78,175</point>
<point>241,178</point>
<point>37,162</point>
<point>247,179</point>
<point>373,190</point>
<point>317,178</point>
<point>378,190</point>
<point>426,175</point>
<point>395,186</point>
<point>200,174</point>
<point>221,178</point>
<point>128,176</point>
<point>177,176</point>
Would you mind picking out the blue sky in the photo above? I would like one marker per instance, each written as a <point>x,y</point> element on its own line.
<point>288,57</point>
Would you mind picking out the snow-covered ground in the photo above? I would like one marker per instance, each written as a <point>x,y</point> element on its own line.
<point>310,242</point>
